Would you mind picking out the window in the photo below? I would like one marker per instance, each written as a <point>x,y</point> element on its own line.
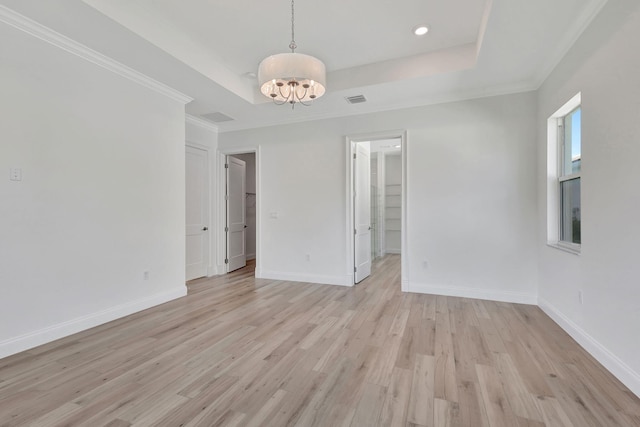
<point>569,131</point>
<point>564,168</point>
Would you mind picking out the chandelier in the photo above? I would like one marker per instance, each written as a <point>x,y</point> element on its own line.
<point>292,77</point>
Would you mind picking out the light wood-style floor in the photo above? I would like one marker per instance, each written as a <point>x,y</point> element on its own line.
<point>238,351</point>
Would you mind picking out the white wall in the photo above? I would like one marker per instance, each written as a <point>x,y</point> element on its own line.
<point>201,134</point>
<point>101,199</point>
<point>604,65</point>
<point>250,235</point>
<point>471,196</point>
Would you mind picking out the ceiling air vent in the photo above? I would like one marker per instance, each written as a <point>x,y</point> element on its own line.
<point>357,99</point>
<point>217,117</point>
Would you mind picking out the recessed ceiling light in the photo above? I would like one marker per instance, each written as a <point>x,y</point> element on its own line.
<point>420,30</point>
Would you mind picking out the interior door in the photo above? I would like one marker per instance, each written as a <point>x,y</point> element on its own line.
<point>362,210</point>
<point>236,213</point>
<point>197,212</point>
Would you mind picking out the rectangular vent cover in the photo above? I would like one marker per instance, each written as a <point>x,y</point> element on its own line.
<point>357,99</point>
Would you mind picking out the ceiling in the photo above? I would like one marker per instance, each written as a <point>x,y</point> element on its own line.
<point>209,49</point>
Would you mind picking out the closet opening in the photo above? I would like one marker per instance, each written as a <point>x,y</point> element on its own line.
<point>238,246</point>
<point>376,204</point>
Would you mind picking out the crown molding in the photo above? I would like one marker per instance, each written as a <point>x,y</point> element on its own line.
<point>197,121</point>
<point>29,26</point>
<point>564,46</point>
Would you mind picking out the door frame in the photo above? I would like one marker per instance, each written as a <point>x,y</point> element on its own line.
<point>221,220</point>
<point>351,141</point>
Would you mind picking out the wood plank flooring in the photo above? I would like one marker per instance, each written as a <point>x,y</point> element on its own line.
<point>240,351</point>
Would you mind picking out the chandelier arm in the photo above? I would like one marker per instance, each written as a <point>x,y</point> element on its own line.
<point>286,98</point>
<point>300,98</point>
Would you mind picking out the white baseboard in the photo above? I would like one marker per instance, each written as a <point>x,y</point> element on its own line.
<point>610,361</point>
<point>308,278</point>
<point>251,256</point>
<point>70,327</point>
<point>464,292</point>
<point>392,251</point>
<point>221,269</point>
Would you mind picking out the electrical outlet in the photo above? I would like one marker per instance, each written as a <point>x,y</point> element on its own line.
<point>145,275</point>
<point>425,264</point>
<point>15,174</point>
<point>308,257</point>
<point>580,296</point>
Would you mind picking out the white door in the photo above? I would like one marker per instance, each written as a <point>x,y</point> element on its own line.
<point>362,211</point>
<point>236,221</point>
<point>197,212</point>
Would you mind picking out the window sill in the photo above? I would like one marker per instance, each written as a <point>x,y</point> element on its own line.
<point>566,247</point>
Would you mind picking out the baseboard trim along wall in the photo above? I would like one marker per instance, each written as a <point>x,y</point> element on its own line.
<point>464,292</point>
<point>308,278</point>
<point>70,327</point>
<point>610,361</point>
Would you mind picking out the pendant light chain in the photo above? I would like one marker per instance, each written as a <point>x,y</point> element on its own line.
<point>292,45</point>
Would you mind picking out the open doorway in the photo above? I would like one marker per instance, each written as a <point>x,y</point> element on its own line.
<point>238,208</point>
<point>376,202</point>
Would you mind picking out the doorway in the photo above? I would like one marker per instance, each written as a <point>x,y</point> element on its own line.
<point>238,245</point>
<point>376,201</point>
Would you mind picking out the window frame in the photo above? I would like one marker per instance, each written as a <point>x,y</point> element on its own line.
<point>564,177</point>
<point>556,176</point>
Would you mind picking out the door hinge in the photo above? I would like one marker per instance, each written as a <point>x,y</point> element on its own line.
<point>226,261</point>
<point>354,155</point>
<point>226,165</point>
<point>226,197</point>
<point>355,231</point>
<point>226,229</point>
<point>355,269</point>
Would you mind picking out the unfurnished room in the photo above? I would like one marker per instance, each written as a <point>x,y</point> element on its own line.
<point>320,213</point>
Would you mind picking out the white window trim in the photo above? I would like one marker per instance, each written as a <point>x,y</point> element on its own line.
<point>564,178</point>
<point>555,177</point>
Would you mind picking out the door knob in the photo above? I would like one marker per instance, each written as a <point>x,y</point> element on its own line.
<point>205,228</point>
